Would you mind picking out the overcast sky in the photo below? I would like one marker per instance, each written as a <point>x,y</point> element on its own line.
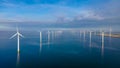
<point>59,13</point>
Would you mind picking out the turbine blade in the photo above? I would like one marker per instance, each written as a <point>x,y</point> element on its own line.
<point>21,35</point>
<point>13,35</point>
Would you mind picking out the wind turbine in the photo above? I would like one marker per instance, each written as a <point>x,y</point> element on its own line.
<point>18,39</point>
<point>110,33</point>
<point>48,37</point>
<point>102,43</point>
<point>84,36</point>
<point>90,37</point>
<point>40,41</point>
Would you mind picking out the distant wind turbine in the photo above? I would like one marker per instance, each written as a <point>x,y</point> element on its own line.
<point>48,37</point>
<point>84,36</point>
<point>40,41</point>
<point>110,34</point>
<point>90,37</point>
<point>18,39</point>
<point>102,43</point>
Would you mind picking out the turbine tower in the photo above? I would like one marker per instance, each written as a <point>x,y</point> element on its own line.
<point>110,33</point>
<point>48,37</point>
<point>18,39</point>
<point>84,36</point>
<point>90,37</point>
<point>103,43</point>
<point>40,41</point>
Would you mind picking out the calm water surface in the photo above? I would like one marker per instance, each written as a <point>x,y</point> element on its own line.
<point>62,49</point>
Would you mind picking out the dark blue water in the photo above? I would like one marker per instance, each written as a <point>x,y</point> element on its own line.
<point>66,49</point>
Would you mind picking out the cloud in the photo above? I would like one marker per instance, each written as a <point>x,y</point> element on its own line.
<point>89,14</point>
<point>49,11</point>
<point>109,9</point>
<point>61,14</point>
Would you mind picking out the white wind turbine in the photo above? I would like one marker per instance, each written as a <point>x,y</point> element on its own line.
<point>84,36</point>
<point>102,43</point>
<point>18,39</point>
<point>90,37</point>
<point>40,40</point>
<point>48,37</point>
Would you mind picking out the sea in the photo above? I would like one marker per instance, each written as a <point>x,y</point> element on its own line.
<point>59,49</point>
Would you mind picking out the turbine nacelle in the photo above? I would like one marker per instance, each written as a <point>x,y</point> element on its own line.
<point>17,34</point>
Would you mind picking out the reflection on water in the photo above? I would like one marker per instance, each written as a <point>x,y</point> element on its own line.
<point>67,50</point>
<point>102,43</point>
<point>18,60</point>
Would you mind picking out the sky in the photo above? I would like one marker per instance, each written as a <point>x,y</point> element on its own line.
<point>37,14</point>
